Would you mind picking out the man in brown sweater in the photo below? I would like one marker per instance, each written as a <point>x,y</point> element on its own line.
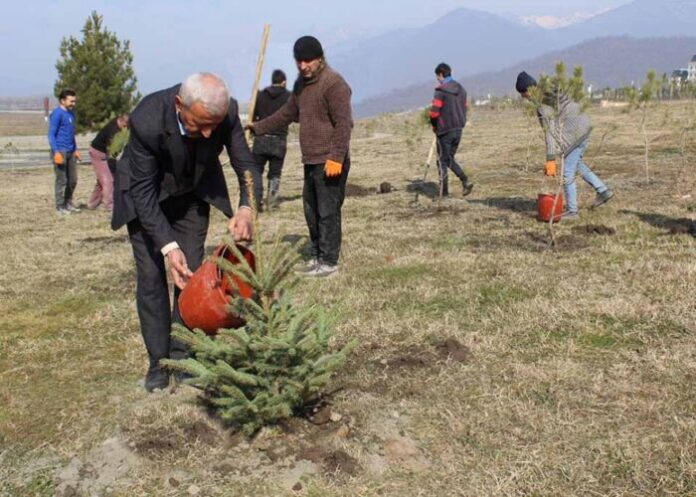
<point>320,102</point>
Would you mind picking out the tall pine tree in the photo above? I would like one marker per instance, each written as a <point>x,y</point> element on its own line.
<point>99,67</point>
<point>279,361</point>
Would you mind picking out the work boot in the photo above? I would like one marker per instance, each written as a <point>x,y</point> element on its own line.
<point>156,379</point>
<point>602,198</point>
<point>466,188</point>
<point>274,192</point>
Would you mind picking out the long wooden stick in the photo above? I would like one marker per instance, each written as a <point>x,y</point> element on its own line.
<point>259,68</point>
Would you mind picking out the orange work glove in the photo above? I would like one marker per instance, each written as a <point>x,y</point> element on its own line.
<point>77,155</point>
<point>332,168</point>
<point>550,168</point>
<point>58,159</point>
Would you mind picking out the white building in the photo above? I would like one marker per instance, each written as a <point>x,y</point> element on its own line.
<point>692,70</point>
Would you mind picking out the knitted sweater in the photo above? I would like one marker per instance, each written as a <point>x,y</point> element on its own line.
<point>322,107</point>
<point>565,128</point>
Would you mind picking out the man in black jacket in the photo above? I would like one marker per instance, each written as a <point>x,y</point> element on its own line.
<point>165,183</point>
<point>271,147</point>
<point>448,118</point>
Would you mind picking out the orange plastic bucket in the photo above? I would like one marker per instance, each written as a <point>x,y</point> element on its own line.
<point>203,301</point>
<point>545,206</point>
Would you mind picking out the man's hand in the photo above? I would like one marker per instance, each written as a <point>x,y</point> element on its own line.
<point>77,155</point>
<point>332,168</point>
<point>240,225</point>
<point>178,268</point>
<point>58,159</point>
<point>249,127</point>
<point>550,168</point>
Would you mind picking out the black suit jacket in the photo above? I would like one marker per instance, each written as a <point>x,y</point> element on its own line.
<point>154,162</point>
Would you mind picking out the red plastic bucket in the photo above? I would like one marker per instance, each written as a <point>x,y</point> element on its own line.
<point>203,301</point>
<point>545,206</point>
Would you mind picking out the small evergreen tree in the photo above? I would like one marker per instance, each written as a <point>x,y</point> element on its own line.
<point>100,70</point>
<point>278,362</point>
<point>642,100</point>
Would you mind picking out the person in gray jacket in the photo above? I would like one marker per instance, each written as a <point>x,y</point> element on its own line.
<point>567,130</point>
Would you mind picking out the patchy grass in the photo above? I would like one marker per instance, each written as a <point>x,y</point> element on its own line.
<point>487,364</point>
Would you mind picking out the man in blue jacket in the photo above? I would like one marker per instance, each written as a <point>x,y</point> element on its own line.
<point>448,118</point>
<point>64,153</point>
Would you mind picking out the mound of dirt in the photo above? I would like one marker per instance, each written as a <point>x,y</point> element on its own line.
<point>353,190</point>
<point>593,229</point>
<point>453,350</point>
<point>683,226</point>
<point>104,469</point>
<point>385,187</point>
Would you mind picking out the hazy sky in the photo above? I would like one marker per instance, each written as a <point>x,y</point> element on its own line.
<point>172,38</point>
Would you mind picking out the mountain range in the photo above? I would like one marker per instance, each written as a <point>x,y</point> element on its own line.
<point>475,42</point>
<point>611,61</point>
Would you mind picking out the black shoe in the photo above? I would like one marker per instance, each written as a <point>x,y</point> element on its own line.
<point>467,188</point>
<point>181,376</point>
<point>156,379</point>
<point>602,198</point>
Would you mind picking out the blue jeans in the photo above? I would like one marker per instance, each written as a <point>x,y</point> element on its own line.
<point>572,165</point>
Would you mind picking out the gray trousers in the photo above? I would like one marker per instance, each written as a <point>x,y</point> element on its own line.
<point>66,179</point>
<point>188,217</point>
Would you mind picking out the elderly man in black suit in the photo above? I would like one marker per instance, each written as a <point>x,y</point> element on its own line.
<point>165,183</point>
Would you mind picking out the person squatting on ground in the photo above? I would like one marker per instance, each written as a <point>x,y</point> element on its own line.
<point>103,193</point>
<point>271,147</point>
<point>320,101</point>
<point>448,118</point>
<point>165,182</point>
<point>566,127</point>
<point>64,153</point>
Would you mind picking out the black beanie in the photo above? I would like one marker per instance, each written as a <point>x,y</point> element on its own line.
<point>524,81</point>
<point>307,48</point>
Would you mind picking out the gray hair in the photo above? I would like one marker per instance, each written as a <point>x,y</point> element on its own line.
<point>207,88</point>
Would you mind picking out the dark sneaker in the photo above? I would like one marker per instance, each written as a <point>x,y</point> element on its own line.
<point>570,216</point>
<point>602,198</point>
<point>322,270</point>
<point>180,377</point>
<point>467,188</point>
<point>307,266</point>
<point>156,379</point>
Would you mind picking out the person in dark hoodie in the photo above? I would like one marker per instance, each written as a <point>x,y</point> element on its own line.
<point>271,147</point>
<point>567,130</point>
<point>448,118</point>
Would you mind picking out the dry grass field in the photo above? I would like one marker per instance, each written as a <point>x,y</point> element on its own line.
<point>487,364</point>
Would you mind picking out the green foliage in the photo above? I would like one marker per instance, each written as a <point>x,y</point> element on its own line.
<point>118,143</point>
<point>424,118</point>
<point>549,86</point>
<point>278,362</point>
<point>99,69</point>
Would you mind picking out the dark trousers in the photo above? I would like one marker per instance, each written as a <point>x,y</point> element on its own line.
<point>447,145</point>
<point>323,198</point>
<point>66,179</point>
<point>188,217</point>
<point>275,164</point>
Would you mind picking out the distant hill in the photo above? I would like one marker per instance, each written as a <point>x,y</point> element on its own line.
<point>640,18</point>
<point>612,61</point>
<point>473,42</point>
